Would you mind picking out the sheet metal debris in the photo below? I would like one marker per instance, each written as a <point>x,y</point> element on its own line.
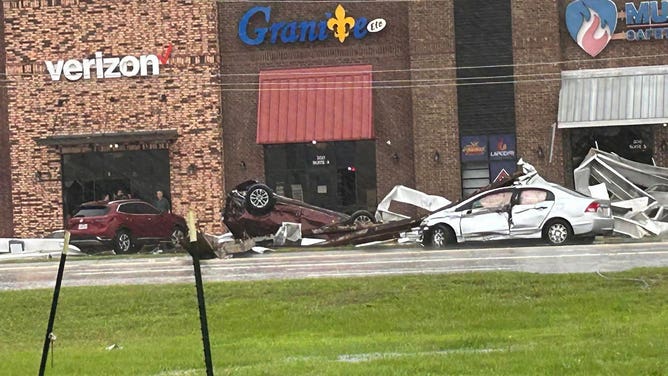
<point>638,191</point>
<point>16,248</point>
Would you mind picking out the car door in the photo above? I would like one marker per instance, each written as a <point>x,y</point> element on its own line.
<point>486,218</point>
<point>150,220</point>
<point>531,208</point>
<point>129,218</point>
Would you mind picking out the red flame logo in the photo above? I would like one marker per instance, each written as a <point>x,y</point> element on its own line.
<point>592,45</point>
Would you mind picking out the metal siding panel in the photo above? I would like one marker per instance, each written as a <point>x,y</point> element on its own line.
<point>313,106</point>
<point>614,100</point>
<point>350,122</point>
<point>566,101</point>
<point>262,109</point>
<point>630,93</point>
<point>573,101</point>
<point>368,108</point>
<point>309,112</point>
<point>589,102</point>
<point>294,92</point>
<point>637,98</point>
<point>660,82</point>
<point>621,103</point>
<point>579,100</point>
<point>337,131</point>
<point>644,97</point>
<point>607,99</point>
<point>320,103</point>
<point>651,91</point>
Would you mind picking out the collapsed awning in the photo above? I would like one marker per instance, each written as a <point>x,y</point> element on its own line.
<point>321,104</point>
<point>613,97</point>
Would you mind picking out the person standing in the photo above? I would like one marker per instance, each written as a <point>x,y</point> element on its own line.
<point>161,203</point>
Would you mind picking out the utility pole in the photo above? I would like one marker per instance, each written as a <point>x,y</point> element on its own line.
<point>50,337</point>
<point>192,249</point>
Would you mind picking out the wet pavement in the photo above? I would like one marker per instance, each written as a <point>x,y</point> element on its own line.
<point>93,270</point>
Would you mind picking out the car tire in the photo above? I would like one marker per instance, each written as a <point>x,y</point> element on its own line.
<point>260,199</point>
<point>362,217</point>
<point>439,237</point>
<point>557,232</point>
<point>178,234</point>
<point>123,242</point>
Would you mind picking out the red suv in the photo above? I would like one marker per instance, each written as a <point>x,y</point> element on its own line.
<point>124,224</point>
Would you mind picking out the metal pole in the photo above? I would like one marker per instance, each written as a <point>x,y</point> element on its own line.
<point>54,305</point>
<point>192,235</point>
<point>202,316</point>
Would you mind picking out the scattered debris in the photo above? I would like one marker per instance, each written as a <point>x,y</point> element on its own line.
<point>15,248</point>
<point>638,191</point>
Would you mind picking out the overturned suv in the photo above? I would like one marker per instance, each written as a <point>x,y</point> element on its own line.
<point>253,209</point>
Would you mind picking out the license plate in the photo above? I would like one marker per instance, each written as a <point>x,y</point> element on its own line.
<point>83,226</point>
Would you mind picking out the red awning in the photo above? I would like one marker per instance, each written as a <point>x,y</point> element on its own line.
<point>322,104</point>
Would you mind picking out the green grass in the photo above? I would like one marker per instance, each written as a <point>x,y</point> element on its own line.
<point>463,324</point>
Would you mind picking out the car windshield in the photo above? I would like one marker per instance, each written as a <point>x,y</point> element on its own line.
<point>92,211</point>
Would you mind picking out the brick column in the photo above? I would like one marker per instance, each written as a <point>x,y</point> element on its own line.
<point>434,97</point>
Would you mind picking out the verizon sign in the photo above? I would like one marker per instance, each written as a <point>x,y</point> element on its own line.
<point>107,67</point>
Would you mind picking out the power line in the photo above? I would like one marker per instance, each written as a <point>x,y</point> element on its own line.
<point>269,73</point>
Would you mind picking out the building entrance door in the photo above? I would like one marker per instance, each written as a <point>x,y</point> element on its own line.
<point>334,175</point>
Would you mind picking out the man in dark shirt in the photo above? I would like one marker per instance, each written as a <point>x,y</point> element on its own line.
<point>161,203</point>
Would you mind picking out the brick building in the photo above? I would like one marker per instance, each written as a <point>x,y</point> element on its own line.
<point>444,98</point>
<point>78,134</point>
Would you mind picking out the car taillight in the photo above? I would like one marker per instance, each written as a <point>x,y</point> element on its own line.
<point>593,207</point>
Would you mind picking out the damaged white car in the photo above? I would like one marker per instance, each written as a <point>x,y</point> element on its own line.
<point>540,210</point>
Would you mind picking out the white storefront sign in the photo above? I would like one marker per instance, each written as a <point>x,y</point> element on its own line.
<point>106,67</point>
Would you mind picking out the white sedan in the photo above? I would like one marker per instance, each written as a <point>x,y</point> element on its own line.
<point>544,210</point>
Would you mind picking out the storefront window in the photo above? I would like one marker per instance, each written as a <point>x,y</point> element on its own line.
<point>335,175</point>
<point>631,142</point>
<point>94,176</point>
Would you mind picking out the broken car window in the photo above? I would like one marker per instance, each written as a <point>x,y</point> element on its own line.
<point>494,200</point>
<point>532,196</point>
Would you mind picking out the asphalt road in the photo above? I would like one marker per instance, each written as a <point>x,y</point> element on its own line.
<point>92,270</point>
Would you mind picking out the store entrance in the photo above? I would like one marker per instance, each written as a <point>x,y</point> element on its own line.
<point>334,175</point>
<point>96,176</point>
<point>631,142</point>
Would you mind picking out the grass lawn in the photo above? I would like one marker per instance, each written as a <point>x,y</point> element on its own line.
<point>450,324</point>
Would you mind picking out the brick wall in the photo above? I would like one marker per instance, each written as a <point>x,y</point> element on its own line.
<point>536,41</point>
<point>386,51</point>
<point>37,31</point>
<point>434,106</point>
<point>6,211</point>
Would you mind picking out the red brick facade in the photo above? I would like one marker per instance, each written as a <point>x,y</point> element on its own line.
<point>209,83</point>
<point>36,31</point>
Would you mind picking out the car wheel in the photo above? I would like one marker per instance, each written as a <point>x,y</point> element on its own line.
<point>178,234</point>
<point>557,232</point>
<point>362,217</point>
<point>439,237</point>
<point>123,242</point>
<point>260,199</point>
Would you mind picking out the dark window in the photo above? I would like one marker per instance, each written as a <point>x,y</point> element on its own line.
<point>335,175</point>
<point>92,176</point>
<point>630,142</point>
<point>92,211</point>
<point>146,209</point>
<point>128,208</point>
